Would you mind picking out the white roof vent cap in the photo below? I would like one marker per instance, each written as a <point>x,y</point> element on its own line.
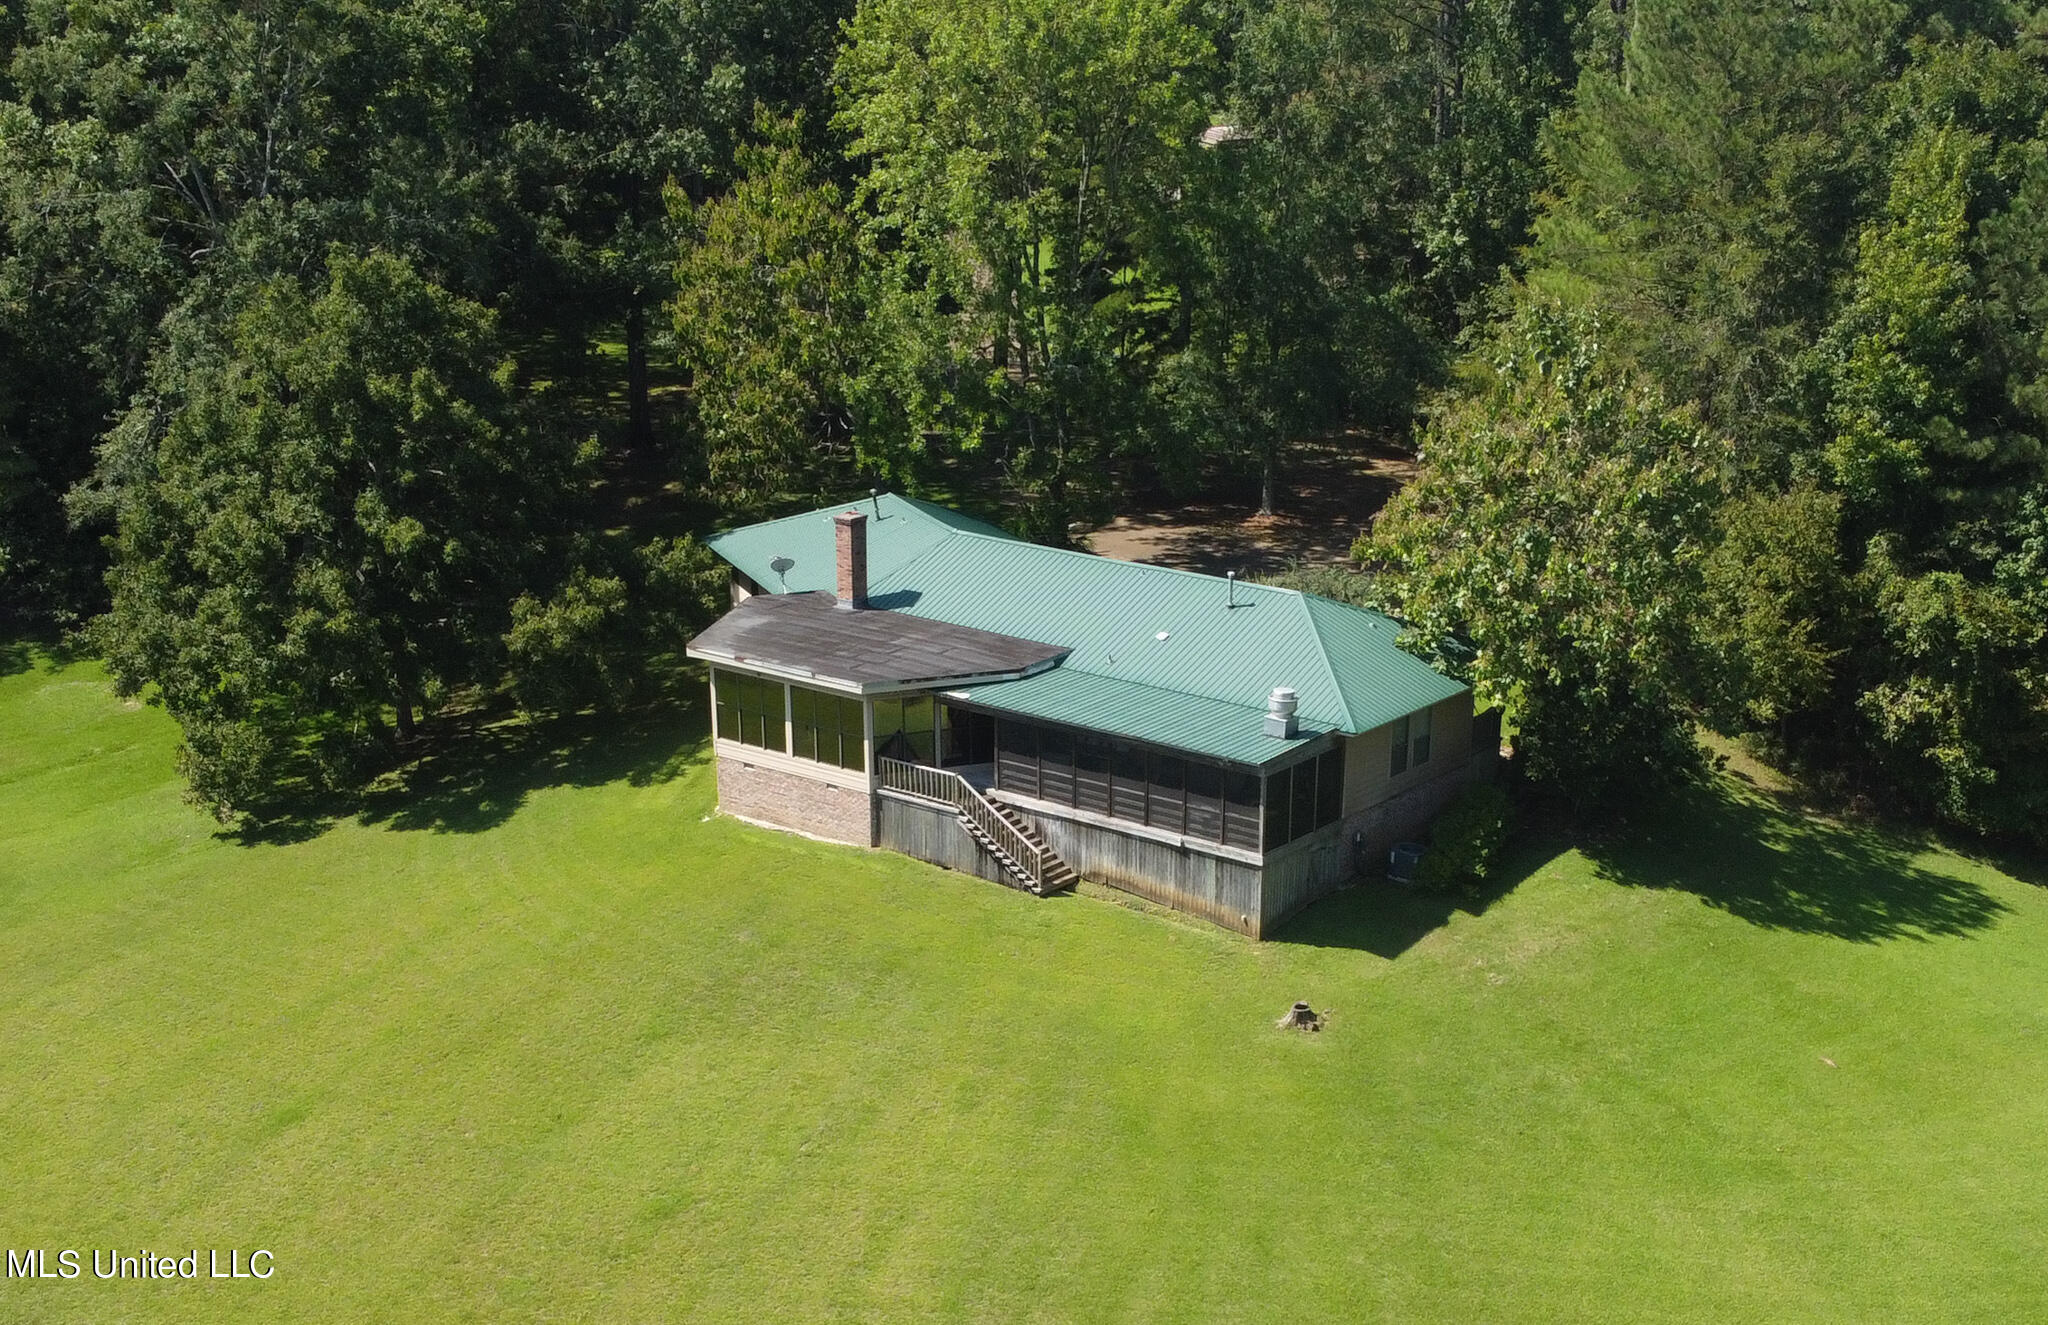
<point>1280,707</point>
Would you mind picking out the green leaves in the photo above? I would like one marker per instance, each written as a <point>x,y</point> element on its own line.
<point>1901,352</point>
<point>342,502</point>
<point>768,317</point>
<point>1018,155</point>
<point>1559,526</point>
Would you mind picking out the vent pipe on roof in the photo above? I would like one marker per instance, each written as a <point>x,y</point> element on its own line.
<point>850,534</point>
<point>1280,706</point>
<point>1231,576</point>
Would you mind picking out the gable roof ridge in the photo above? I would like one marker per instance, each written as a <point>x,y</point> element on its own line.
<point>1322,654</point>
<point>1152,567</point>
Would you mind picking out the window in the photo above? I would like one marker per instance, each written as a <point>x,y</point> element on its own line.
<point>1399,732</point>
<point>1420,730</point>
<point>750,710</point>
<point>827,727</point>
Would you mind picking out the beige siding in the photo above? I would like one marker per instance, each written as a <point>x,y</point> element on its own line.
<point>1368,759</point>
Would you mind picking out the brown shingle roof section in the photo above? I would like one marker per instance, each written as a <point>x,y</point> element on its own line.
<point>809,634</point>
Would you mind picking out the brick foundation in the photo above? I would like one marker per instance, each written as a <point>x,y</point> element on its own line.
<point>772,796</point>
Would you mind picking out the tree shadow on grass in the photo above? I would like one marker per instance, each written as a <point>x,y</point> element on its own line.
<point>479,773</point>
<point>24,653</point>
<point>1386,919</point>
<point>1759,857</point>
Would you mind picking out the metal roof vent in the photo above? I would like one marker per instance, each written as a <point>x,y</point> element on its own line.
<point>1280,706</point>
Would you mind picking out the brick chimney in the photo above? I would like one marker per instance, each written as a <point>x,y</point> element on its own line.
<point>850,529</point>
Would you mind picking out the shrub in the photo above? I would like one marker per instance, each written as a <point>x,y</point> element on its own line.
<point>1466,839</point>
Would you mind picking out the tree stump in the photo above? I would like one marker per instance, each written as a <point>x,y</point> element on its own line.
<point>1300,1017</point>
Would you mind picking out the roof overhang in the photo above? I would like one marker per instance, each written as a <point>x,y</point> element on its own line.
<point>810,639</point>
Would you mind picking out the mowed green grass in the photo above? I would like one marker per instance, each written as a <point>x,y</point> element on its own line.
<point>549,1041</point>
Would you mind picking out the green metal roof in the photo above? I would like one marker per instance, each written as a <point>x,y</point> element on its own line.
<point>1191,670</point>
<point>1212,727</point>
<point>900,530</point>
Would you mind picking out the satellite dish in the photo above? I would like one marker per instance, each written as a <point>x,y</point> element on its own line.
<point>780,566</point>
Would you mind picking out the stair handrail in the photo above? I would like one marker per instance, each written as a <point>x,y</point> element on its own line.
<point>949,788</point>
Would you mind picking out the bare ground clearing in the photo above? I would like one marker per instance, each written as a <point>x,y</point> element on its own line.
<point>1330,491</point>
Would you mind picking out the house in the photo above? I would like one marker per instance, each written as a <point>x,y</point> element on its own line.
<point>898,675</point>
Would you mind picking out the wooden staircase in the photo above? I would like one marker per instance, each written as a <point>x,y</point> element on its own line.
<point>1056,875</point>
<point>1005,835</point>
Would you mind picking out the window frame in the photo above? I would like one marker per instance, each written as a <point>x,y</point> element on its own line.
<point>745,696</point>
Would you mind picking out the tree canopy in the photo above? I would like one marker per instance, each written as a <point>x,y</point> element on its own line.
<point>333,337</point>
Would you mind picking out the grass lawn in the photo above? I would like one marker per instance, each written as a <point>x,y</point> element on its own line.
<point>546,1040</point>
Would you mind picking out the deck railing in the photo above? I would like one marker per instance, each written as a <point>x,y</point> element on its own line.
<point>947,788</point>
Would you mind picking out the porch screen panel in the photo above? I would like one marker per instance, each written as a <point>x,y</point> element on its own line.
<point>1167,804</point>
<point>1302,811</point>
<point>803,717</point>
<point>1278,801</point>
<point>1330,786</point>
<point>828,727</point>
<point>1091,774</point>
<point>965,737</point>
<point>1205,801</point>
<point>1241,810</point>
<point>1304,797</point>
<point>1017,757</point>
<point>1120,780</point>
<point>905,729</point>
<point>1127,783</point>
<point>1056,764</point>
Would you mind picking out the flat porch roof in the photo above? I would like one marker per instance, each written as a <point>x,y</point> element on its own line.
<point>808,637</point>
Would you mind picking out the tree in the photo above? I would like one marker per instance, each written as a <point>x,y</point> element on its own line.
<point>768,318</point>
<point>1375,171</point>
<point>1708,185</point>
<point>1018,155</point>
<point>603,104</point>
<point>1558,527</point>
<point>1276,255</point>
<point>615,626</point>
<point>156,155</point>
<point>326,504</point>
<point>1824,230</point>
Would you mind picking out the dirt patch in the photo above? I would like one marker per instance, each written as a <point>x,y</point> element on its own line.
<point>1330,491</point>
